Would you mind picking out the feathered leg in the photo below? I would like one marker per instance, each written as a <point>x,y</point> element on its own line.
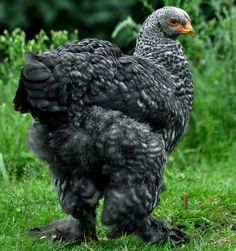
<point>135,158</point>
<point>79,198</point>
<point>70,156</point>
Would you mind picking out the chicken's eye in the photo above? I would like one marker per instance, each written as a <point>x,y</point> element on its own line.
<point>173,22</point>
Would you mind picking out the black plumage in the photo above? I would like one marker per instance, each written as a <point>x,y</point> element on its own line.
<point>105,123</point>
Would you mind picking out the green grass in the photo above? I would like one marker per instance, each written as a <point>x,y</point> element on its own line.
<point>210,219</point>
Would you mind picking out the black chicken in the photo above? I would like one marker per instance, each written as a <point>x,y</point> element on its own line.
<point>105,123</point>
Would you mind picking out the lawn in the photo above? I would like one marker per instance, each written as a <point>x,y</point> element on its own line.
<point>210,218</point>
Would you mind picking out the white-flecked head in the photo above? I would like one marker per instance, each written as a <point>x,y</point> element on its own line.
<point>167,22</point>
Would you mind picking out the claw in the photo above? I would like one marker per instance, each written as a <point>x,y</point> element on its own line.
<point>114,233</point>
<point>157,230</point>
<point>177,237</point>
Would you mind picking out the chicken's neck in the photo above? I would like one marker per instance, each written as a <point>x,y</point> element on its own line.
<point>168,53</point>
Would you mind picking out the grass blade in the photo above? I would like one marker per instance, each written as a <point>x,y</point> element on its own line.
<point>3,170</point>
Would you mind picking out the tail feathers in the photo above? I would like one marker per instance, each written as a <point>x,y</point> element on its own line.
<point>39,89</point>
<point>31,57</point>
<point>21,103</point>
<point>36,72</point>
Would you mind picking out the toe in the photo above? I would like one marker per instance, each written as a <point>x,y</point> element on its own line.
<point>177,237</point>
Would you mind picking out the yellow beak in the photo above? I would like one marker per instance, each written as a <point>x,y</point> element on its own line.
<point>187,29</point>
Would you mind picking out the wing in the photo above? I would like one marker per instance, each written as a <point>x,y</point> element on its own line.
<point>41,87</point>
<point>139,88</point>
<point>55,80</point>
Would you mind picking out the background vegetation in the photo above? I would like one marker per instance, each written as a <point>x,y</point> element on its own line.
<point>203,165</point>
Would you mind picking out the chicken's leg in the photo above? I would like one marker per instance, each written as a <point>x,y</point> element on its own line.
<point>135,157</point>
<point>78,197</point>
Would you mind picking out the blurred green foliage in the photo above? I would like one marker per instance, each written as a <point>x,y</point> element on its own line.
<point>92,18</point>
<point>211,136</point>
<point>96,18</point>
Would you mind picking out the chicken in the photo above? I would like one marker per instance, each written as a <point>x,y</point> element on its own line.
<point>105,123</point>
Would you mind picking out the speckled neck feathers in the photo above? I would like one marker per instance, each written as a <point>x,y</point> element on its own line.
<point>166,52</point>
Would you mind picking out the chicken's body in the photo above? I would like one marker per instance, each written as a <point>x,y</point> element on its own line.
<point>105,123</point>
